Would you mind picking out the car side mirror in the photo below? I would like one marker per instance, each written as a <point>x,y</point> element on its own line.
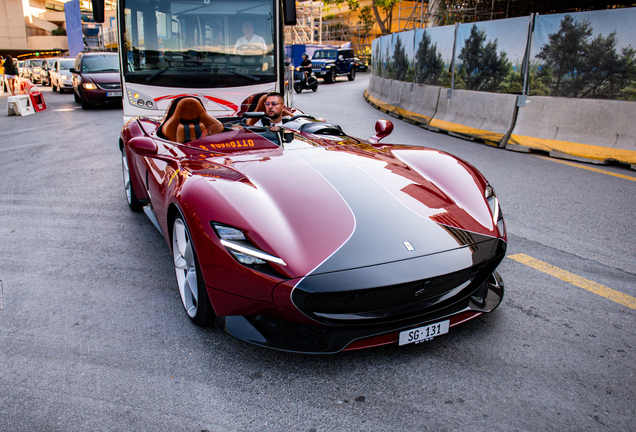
<point>143,146</point>
<point>73,70</point>
<point>383,128</point>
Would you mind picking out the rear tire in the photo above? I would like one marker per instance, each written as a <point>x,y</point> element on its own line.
<point>134,204</point>
<point>352,74</point>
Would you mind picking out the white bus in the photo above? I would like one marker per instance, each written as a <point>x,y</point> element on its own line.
<point>221,51</point>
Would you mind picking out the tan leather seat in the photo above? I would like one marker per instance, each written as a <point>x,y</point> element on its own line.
<point>188,120</point>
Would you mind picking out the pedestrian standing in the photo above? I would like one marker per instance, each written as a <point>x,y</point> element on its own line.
<point>10,73</point>
<point>4,84</point>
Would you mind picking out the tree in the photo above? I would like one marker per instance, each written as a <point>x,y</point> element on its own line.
<point>583,67</point>
<point>366,20</point>
<point>385,5</point>
<point>428,62</point>
<point>400,61</point>
<point>482,68</point>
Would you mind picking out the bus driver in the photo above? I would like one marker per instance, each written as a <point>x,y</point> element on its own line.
<point>250,43</point>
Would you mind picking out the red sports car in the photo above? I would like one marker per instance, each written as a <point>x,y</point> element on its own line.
<point>308,240</point>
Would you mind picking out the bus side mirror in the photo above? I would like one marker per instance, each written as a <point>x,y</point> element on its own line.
<point>98,11</point>
<point>289,11</point>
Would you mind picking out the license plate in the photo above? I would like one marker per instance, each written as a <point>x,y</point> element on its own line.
<point>109,94</point>
<point>422,334</point>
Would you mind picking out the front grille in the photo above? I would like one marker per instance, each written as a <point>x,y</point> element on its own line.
<point>110,86</point>
<point>369,300</point>
<point>316,66</point>
<point>281,326</point>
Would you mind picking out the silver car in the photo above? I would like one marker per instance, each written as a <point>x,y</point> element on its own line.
<point>61,76</point>
<point>32,69</point>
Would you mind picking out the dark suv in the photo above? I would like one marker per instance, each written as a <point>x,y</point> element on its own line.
<point>96,78</point>
<point>329,63</point>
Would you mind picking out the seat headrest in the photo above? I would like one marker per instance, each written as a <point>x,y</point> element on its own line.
<point>189,109</point>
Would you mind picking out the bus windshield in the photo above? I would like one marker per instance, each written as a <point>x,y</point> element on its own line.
<point>198,43</point>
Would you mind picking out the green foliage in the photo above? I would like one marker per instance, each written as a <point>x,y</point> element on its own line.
<point>367,20</point>
<point>482,68</point>
<point>400,61</point>
<point>59,32</point>
<point>575,65</point>
<point>428,62</point>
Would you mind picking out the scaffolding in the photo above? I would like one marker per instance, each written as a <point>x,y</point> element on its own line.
<point>433,13</point>
<point>312,28</point>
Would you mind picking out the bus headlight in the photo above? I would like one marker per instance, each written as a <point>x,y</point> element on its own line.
<point>141,100</point>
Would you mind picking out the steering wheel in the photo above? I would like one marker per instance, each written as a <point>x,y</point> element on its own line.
<point>250,49</point>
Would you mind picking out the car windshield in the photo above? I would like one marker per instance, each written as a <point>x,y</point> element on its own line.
<point>324,55</point>
<point>191,43</point>
<point>66,64</point>
<point>100,63</point>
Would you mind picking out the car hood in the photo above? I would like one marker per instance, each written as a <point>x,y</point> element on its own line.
<point>102,77</point>
<point>330,206</point>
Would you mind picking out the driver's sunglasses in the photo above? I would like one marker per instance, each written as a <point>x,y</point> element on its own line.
<point>271,104</point>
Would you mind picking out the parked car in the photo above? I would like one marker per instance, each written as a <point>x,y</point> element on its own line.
<point>328,64</point>
<point>20,68</point>
<point>361,65</point>
<point>310,240</point>
<point>61,78</point>
<point>32,69</point>
<point>45,72</point>
<point>96,79</point>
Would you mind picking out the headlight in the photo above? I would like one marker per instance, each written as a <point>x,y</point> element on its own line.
<point>241,248</point>
<point>89,86</point>
<point>495,209</point>
<point>141,100</point>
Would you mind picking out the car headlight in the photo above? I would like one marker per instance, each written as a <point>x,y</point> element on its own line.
<point>241,248</point>
<point>89,86</point>
<point>495,209</point>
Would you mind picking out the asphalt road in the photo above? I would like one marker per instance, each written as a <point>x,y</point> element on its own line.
<point>93,335</point>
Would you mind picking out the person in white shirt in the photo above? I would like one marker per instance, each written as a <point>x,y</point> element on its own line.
<point>250,43</point>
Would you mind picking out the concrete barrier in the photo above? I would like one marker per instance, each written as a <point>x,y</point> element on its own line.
<point>418,104</point>
<point>473,114</point>
<point>591,130</point>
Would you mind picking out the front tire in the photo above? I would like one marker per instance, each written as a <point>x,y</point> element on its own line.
<point>85,104</point>
<point>192,289</point>
<point>77,98</point>
<point>297,88</point>
<point>134,204</point>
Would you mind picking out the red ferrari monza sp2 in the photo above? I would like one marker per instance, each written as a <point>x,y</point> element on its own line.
<point>304,239</point>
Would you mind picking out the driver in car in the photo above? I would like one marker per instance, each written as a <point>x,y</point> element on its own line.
<point>274,112</point>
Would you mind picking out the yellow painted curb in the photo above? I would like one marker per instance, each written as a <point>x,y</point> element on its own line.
<point>492,137</point>
<point>603,291</point>
<point>585,151</point>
